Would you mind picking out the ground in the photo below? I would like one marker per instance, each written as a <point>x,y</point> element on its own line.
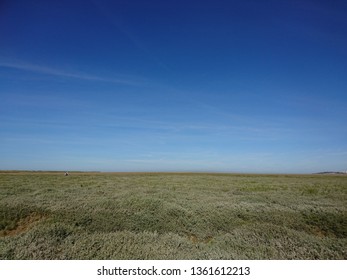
<point>46,215</point>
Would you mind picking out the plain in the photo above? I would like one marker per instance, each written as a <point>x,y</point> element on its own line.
<point>46,215</point>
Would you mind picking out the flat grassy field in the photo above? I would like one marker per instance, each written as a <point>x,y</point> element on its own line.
<point>172,216</point>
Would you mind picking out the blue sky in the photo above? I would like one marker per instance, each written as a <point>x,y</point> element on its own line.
<point>222,86</point>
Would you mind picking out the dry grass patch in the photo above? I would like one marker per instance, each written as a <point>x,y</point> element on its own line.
<point>23,225</point>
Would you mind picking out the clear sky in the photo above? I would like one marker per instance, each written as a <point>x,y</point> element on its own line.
<point>222,86</point>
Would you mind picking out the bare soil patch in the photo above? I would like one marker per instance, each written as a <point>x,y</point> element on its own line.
<point>23,225</point>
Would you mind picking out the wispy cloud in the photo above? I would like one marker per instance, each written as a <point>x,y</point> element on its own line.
<point>24,66</point>
<point>177,164</point>
<point>125,29</point>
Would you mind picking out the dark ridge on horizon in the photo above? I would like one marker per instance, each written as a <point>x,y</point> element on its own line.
<point>332,172</point>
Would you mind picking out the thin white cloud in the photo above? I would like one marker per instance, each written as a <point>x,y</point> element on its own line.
<point>122,27</point>
<point>70,74</point>
<point>176,162</point>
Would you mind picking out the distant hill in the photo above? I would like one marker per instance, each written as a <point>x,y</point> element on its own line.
<point>332,172</point>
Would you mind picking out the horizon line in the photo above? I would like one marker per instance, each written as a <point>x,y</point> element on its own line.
<point>172,172</point>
